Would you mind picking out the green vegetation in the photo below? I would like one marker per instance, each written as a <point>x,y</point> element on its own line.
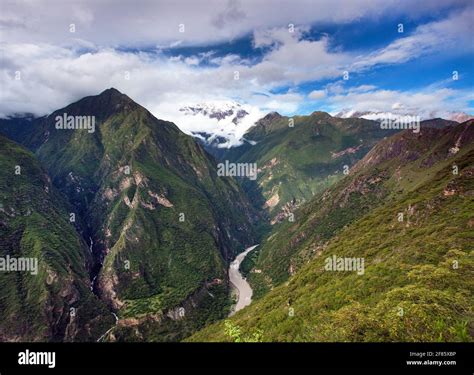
<point>235,333</point>
<point>299,161</point>
<point>391,169</point>
<point>150,198</point>
<point>213,305</point>
<point>34,223</point>
<point>417,284</point>
<point>165,226</point>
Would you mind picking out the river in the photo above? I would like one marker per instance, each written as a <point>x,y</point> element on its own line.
<point>110,329</point>
<point>240,284</point>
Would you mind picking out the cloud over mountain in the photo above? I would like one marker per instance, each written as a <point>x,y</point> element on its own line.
<point>293,61</point>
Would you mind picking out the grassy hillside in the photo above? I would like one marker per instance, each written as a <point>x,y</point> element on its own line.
<point>392,168</point>
<point>417,283</point>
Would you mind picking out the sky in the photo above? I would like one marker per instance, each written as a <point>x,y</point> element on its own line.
<point>293,57</point>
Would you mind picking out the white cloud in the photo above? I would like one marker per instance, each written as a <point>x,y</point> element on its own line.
<point>112,23</point>
<point>293,59</point>
<point>425,103</point>
<point>453,34</point>
<point>193,60</point>
<point>317,94</point>
<point>56,73</point>
<point>60,76</point>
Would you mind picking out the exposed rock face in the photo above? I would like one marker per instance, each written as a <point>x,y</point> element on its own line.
<point>107,285</point>
<point>350,150</point>
<point>273,201</point>
<point>161,199</point>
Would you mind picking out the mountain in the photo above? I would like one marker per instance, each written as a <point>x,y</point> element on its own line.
<point>220,111</point>
<point>404,262</point>
<point>453,117</point>
<point>161,223</point>
<point>17,127</point>
<point>217,124</point>
<point>53,303</point>
<point>155,226</point>
<point>300,156</point>
<point>387,171</point>
<point>438,123</point>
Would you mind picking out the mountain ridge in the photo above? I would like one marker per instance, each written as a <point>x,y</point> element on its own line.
<point>131,182</point>
<point>299,156</point>
<point>416,284</point>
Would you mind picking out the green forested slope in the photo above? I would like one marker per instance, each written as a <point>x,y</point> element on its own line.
<point>296,162</point>
<point>163,225</point>
<point>56,304</point>
<point>391,169</point>
<point>418,282</point>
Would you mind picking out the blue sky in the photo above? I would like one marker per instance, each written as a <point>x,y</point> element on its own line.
<point>361,37</point>
<point>170,54</point>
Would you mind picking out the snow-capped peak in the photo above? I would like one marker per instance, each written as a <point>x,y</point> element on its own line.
<point>220,123</point>
<point>219,110</point>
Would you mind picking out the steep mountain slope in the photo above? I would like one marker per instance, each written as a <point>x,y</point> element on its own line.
<point>162,223</point>
<point>296,161</point>
<point>54,303</point>
<point>416,283</point>
<point>367,186</point>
